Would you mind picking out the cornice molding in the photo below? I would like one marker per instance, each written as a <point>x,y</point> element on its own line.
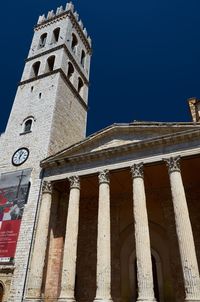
<point>68,54</point>
<point>74,23</point>
<point>65,78</point>
<point>110,152</point>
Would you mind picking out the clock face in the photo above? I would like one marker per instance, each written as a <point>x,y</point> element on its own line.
<point>20,156</point>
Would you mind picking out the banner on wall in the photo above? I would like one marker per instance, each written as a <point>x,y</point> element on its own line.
<point>14,189</point>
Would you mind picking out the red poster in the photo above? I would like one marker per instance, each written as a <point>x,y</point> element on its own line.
<point>9,232</point>
<point>14,189</point>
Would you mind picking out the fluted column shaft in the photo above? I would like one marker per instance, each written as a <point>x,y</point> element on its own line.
<point>103,292</point>
<point>142,240</point>
<point>71,242</point>
<point>184,232</point>
<point>39,252</point>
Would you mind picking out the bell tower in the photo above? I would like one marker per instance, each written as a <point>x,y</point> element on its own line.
<point>50,108</point>
<point>49,113</point>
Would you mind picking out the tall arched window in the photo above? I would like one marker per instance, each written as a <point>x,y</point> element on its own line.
<point>70,70</point>
<point>35,69</point>
<point>43,40</point>
<point>56,34</point>
<point>80,86</point>
<point>50,63</point>
<point>74,43</point>
<point>28,125</point>
<point>83,58</point>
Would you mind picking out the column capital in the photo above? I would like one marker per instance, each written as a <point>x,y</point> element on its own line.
<point>173,164</point>
<point>137,170</point>
<point>74,182</point>
<point>47,187</point>
<point>104,177</point>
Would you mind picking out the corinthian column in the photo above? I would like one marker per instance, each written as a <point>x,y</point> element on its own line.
<point>71,240</point>
<point>39,250</point>
<point>103,292</point>
<point>184,232</point>
<point>142,241</point>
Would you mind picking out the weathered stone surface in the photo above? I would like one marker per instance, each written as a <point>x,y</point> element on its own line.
<point>103,292</point>
<point>142,240</point>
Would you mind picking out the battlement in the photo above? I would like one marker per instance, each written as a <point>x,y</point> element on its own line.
<point>61,11</point>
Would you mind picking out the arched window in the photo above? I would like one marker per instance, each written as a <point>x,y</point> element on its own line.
<point>74,43</point>
<point>50,63</point>
<point>1,292</point>
<point>35,69</point>
<point>43,40</point>
<point>83,58</point>
<point>56,34</point>
<point>70,70</point>
<point>80,85</point>
<point>28,125</point>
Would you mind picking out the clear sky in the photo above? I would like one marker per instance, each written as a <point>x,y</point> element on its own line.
<point>146,56</point>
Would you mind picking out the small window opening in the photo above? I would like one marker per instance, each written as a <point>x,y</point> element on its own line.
<point>56,34</point>
<point>40,95</point>
<point>28,125</point>
<point>83,58</point>
<point>43,40</point>
<point>80,85</point>
<point>32,89</point>
<point>70,70</point>
<point>50,63</point>
<point>74,43</point>
<point>35,68</point>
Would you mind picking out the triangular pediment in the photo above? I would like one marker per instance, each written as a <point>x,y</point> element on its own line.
<point>118,135</point>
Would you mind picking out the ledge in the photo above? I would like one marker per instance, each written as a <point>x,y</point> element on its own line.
<point>110,152</point>
<point>7,268</point>
<point>69,55</point>
<point>24,133</point>
<point>65,78</point>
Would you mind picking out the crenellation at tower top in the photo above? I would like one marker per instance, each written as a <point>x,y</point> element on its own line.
<point>61,12</point>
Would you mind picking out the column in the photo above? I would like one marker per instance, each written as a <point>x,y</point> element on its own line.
<point>71,240</point>
<point>184,232</point>
<point>142,240</point>
<point>103,292</point>
<point>39,251</point>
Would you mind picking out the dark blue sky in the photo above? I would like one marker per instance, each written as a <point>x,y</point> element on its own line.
<point>146,56</point>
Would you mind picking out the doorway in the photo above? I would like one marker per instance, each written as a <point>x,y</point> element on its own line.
<point>1,292</point>
<point>157,277</point>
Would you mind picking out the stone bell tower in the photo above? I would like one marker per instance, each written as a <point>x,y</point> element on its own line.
<point>49,113</point>
<point>53,92</point>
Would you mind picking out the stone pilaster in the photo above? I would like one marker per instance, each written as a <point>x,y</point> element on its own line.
<point>103,292</point>
<point>184,232</point>
<point>142,240</point>
<point>39,250</point>
<point>71,241</point>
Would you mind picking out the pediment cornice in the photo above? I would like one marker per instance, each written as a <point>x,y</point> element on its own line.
<point>165,140</point>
